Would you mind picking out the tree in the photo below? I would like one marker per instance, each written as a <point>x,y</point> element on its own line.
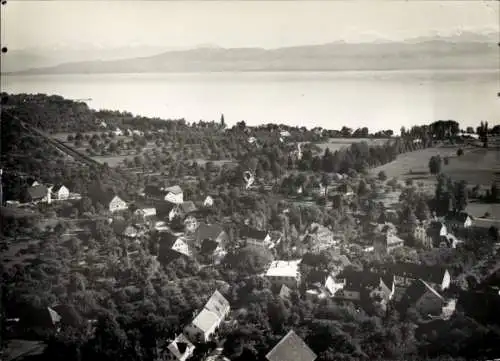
<point>382,176</point>
<point>494,192</point>
<point>461,196</point>
<point>248,260</point>
<point>435,164</point>
<point>460,152</point>
<point>222,121</point>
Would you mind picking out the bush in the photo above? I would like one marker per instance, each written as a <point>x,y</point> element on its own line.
<point>460,152</point>
<point>446,160</point>
<point>382,176</point>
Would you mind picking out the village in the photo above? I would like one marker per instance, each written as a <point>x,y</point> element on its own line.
<point>341,240</point>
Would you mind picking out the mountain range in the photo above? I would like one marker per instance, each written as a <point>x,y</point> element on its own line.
<point>460,51</point>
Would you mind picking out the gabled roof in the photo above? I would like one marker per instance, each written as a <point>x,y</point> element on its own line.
<point>217,303</point>
<point>187,207</point>
<point>433,274</point>
<point>153,190</point>
<point>174,189</point>
<point>180,346</point>
<point>102,195</point>
<point>362,280</point>
<point>215,309</point>
<point>291,348</point>
<point>37,192</point>
<point>208,231</point>
<point>248,232</point>
<point>415,291</point>
<point>57,187</point>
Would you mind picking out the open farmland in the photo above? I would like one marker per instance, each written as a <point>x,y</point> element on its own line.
<point>335,144</point>
<point>477,165</point>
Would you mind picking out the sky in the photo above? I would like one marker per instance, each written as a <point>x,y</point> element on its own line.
<point>268,24</point>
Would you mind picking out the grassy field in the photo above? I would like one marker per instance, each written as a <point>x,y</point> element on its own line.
<point>338,143</point>
<point>476,166</point>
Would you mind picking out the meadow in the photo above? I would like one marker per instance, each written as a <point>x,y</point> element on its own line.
<point>335,144</point>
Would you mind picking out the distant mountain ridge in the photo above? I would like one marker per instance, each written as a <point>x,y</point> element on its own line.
<point>461,51</point>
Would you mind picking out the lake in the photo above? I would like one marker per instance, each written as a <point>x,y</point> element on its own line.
<point>378,99</point>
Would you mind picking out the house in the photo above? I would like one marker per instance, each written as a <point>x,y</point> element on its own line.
<point>430,235</point>
<point>291,348</point>
<point>363,286</point>
<point>182,210</point>
<point>449,241</point>
<point>254,237</point>
<point>406,273</point>
<point>27,320</point>
<point>171,246</point>
<point>60,192</point>
<point>209,319</point>
<point>458,220</point>
<point>38,193</point>
<point>180,349</point>
<point>319,238</point>
<point>386,240</point>
<point>426,300</point>
<point>174,194</point>
<point>208,202</point>
<point>122,228</point>
<point>144,210</point>
<point>108,199</point>
<point>284,273</point>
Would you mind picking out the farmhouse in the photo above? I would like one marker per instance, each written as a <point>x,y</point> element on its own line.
<point>458,220</point>
<point>60,192</point>
<point>209,319</point>
<point>426,300</point>
<point>406,273</point>
<point>365,285</point>
<point>291,348</point>
<point>38,193</point>
<point>284,273</point>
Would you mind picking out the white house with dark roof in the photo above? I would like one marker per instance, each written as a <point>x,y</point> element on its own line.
<point>291,348</point>
<point>258,238</point>
<point>60,192</point>
<point>209,319</point>
<point>180,349</point>
<point>174,194</point>
<point>284,273</point>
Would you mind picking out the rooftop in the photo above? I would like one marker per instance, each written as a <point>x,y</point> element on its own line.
<point>283,269</point>
<point>291,348</point>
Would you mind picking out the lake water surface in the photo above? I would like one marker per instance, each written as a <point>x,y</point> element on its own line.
<point>378,100</point>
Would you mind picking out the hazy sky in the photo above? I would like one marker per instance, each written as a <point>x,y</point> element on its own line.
<point>233,24</point>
